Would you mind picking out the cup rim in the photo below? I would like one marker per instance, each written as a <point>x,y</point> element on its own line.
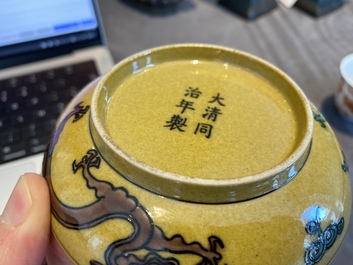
<point>343,69</point>
<point>229,190</point>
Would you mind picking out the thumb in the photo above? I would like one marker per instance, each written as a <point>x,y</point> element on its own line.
<point>25,223</point>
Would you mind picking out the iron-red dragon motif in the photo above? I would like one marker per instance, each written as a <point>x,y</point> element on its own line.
<point>116,203</point>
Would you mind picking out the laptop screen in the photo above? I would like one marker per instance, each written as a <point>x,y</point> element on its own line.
<point>36,29</point>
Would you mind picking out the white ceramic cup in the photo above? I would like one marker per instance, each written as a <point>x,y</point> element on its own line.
<point>344,93</point>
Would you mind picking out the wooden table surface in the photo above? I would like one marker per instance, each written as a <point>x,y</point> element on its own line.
<point>308,49</point>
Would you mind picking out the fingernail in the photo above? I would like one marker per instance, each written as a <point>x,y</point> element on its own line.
<point>18,205</point>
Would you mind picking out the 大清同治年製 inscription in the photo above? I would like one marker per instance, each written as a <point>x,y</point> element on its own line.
<point>190,102</point>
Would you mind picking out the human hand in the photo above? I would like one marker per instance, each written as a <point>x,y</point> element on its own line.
<point>25,237</point>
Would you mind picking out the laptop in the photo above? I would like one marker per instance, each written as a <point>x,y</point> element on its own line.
<point>49,50</point>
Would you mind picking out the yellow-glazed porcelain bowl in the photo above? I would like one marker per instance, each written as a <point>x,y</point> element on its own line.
<point>196,154</point>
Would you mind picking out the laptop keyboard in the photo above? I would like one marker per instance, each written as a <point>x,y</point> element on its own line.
<point>31,104</point>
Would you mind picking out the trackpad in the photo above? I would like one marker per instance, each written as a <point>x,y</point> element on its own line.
<point>9,176</point>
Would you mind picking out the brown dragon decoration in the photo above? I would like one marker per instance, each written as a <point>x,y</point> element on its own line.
<point>116,203</point>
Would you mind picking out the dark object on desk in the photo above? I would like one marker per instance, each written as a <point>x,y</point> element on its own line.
<point>157,6</point>
<point>249,9</point>
<point>331,114</point>
<point>319,7</point>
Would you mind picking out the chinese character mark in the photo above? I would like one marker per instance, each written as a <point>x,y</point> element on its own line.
<point>176,122</point>
<point>217,99</point>
<point>185,105</point>
<point>212,113</point>
<point>205,129</point>
<point>193,92</point>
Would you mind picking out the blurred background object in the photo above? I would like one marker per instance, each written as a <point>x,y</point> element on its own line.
<point>249,9</point>
<point>157,6</point>
<point>319,7</point>
<point>287,3</point>
<point>344,93</point>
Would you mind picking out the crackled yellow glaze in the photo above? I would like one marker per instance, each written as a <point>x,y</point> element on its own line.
<point>113,203</point>
<point>140,113</point>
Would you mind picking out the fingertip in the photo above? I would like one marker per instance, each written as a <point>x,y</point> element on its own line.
<point>19,204</point>
<point>38,223</point>
<point>25,223</point>
<point>39,190</point>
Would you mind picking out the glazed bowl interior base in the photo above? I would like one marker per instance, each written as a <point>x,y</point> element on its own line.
<point>170,115</point>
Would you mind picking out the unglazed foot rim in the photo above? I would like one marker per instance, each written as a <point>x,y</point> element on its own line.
<point>193,189</point>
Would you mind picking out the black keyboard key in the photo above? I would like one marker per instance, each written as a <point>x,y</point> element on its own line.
<point>18,119</point>
<point>40,89</point>
<point>52,96</point>
<point>4,96</point>
<point>12,106</point>
<point>71,91</point>
<point>12,82</point>
<point>32,101</point>
<point>57,108</point>
<point>39,114</point>
<point>4,122</point>
<point>68,70</point>
<point>10,136</point>
<point>50,125</point>
<point>30,79</point>
<point>12,152</point>
<point>7,95</point>
<point>60,83</point>
<point>34,129</point>
<point>50,74</point>
<point>38,144</point>
<point>22,92</point>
